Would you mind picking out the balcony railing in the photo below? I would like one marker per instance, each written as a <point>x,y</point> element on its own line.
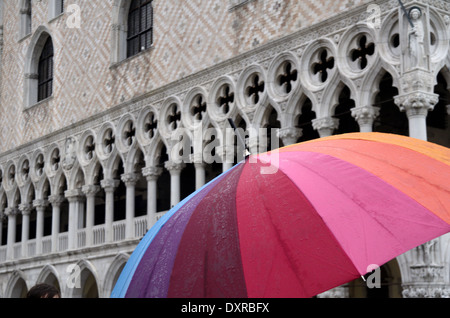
<point>98,237</point>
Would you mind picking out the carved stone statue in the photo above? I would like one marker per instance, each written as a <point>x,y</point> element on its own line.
<point>416,45</point>
<point>70,154</point>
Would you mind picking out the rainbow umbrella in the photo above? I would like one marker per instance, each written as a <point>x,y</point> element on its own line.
<point>297,221</point>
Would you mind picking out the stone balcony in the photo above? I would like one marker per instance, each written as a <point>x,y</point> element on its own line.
<point>84,238</point>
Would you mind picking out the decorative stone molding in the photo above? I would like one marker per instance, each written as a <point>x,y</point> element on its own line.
<point>11,212</point>
<point>126,133</point>
<point>25,208</point>
<point>338,292</point>
<point>284,73</point>
<point>90,190</point>
<point>73,195</point>
<point>70,156</point>
<point>109,184</point>
<point>425,291</point>
<point>222,98</point>
<point>56,200</point>
<point>129,179</point>
<point>289,135</point>
<point>365,115</point>
<point>416,103</point>
<point>151,173</point>
<point>325,126</point>
<point>427,273</point>
<point>174,167</point>
<point>40,203</point>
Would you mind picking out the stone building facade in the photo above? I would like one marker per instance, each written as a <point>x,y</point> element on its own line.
<point>105,123</point>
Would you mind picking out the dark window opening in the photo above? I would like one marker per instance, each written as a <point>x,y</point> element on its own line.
<point>140,27</point>
<point>45,71</point>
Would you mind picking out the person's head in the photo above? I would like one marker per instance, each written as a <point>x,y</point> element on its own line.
<point>43,291</point>
<point>415,13</point>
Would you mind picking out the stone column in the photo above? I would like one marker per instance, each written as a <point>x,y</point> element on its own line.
<point>151,174</point>
<point>227,155</point>
<point>199,175</point>
<point>130,180</point>
<point>25,209</point>
<point>11,214</point>
<point>416,105</point>
<point>40,206</point>
<point>175,171</point>
<point>325,126</point>
<point>199,170</point>
<point>365,117</point>
<point>90,191</point>
<point>74,197</point>
<point>109,185</point>
<point>416,98</point>
<point>289,135</point>
<point>2,216</point>
<point>55,201</point>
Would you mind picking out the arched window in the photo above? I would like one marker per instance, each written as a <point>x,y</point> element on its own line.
<point>25,18</point>
<point>55,8</point>
<point>140,26</point>
<point>45,71</point>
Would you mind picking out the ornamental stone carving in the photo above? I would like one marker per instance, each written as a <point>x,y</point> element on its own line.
<point>70,156</point>
<point>151,173</point>
<point>416,103</point>
<point>289,135</point>
<point>325,126</point>
<point>365,116</point>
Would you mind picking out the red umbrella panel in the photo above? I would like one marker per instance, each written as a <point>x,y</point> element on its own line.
<point>297,221</point>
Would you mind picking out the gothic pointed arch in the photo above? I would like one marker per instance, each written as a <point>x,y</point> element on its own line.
<point>49,275</point>
<point>17,285</point>
<point>132,28</point>
<point>88,281</point>
<point>113,273</point>
<point>38,84</point>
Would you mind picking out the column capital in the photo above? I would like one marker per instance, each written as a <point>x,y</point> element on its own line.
<point>129,179</point>
<point>56,199</point>
<point>174,167</point>
<point>151,173</point>
<point>40,203</point>
<point>73,195</point>
<point>11,211</point>
<point>289,135</point>
<point>416,103</point>
<point>109,184</point>
<point>25,208</point>
<point>90,190</point>
<point>365,115</point>
<point>325,125</point>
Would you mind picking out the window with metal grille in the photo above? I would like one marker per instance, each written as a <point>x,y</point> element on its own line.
<point>140,26</point>
<point>45,71</point>
<point>59,7</point>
